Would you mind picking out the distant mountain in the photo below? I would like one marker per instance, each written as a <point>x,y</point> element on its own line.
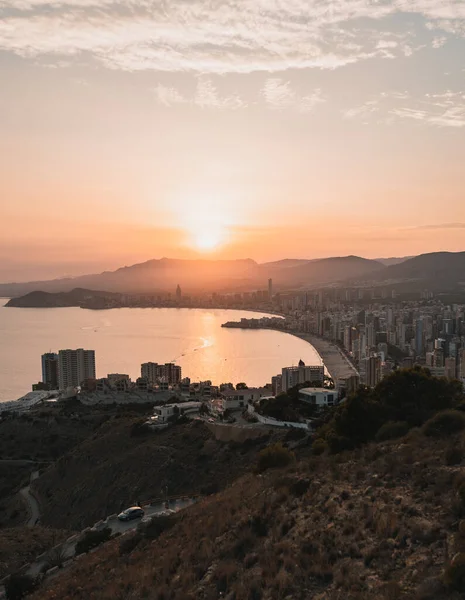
<point>325,270</point>
<point>388,262</point>
<point>76,297</point>
<point>437,269</point>
<point>196,276</point>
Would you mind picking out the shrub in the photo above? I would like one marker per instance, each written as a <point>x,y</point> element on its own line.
<point>454,455</point>
<point>55,558</point>
<point>445,423</point>
<point>392,430</point>
<point>319,446</point>
<point>129,542</point>
<point>275,457</point>
<point>18,586</point>
<point>454,576</point>
<point>92,539</point>
<point>156,526</point>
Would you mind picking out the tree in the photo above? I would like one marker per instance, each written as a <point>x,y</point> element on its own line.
<point>414,395</point>
<point>241,386</point>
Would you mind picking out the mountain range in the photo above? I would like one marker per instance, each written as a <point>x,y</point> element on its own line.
<point>434,270</point>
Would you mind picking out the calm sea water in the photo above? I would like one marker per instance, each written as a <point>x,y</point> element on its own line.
<point>125,338</point>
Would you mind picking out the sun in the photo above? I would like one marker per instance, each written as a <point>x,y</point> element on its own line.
<point>208,239</point>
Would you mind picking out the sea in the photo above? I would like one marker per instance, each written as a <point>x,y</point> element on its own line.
<point>125,338</point>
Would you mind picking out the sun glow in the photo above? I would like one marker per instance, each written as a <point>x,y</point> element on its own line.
<point>208,239</point>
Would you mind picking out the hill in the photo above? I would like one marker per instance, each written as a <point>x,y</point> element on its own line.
<point>382,522</point>
<point>76,297</point>
<point>325,270</point>
<point>438,270</point>
<point>116,468</point>
<point>197,276</point>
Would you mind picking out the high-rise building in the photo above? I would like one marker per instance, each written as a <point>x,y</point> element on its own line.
<point>373,371</point>
<point>178,293</point>
<point>74,366</point>
<point>155,373</point>
<point>419,336</point>
<point>50,370</point>
<point>292,376</point>
<point>270,289</point>
<point>450,365</point>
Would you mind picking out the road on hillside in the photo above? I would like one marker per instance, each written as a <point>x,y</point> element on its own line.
<point>32,504</point>
<point>116,526</point>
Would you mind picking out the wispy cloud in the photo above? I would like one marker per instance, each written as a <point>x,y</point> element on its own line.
<point>226,36</point>
<point>206,96</point>
<point>442,226</point>
<point>278,94</point>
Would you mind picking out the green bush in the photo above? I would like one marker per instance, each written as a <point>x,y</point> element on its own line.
<point>392,430</point>
<point>275,457</point>
<point>18,586</point>
<point>445,423</point>
<point>92,539</point>
<point>454,577</point>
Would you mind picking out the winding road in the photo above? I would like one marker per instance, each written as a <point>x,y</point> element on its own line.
<point>32,504</point>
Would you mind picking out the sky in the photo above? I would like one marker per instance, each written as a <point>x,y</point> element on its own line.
<point>260,129</point>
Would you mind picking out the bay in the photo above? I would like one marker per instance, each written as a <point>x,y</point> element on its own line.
<point>124,338</point>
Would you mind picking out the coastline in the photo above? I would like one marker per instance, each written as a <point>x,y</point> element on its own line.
<point>337,365</point>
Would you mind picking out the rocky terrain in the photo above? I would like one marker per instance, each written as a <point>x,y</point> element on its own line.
<point>384,521</point>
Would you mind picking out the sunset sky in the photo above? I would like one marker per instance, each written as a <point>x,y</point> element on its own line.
<point>228,129</point>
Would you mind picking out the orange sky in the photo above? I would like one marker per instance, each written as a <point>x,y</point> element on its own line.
<point>253,130</point>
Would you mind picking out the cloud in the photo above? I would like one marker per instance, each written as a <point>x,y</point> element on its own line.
<point>446,109</point>
<point>279,95</point>
<point>169,96</point>
<point>225,36</point>
<point>206,96</point>
<point>442,226</point>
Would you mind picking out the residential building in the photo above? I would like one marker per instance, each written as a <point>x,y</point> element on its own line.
<point>75,366</point>
<point>270,289</point>
<point>155,373</point>
<point>450,368</point>
<point>50,370</point>
<point>276,385</point>
<point>373,371</point>
<point>318,396</point>
<point>234,399</point>
<point>292,376</point>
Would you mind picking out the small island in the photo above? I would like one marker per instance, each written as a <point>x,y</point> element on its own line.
<point>78,297</point>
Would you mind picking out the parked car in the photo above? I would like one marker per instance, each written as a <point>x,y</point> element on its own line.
<point>135,512</point>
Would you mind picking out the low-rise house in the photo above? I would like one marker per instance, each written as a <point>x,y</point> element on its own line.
<point>318,396</point>
<point>234,399</point>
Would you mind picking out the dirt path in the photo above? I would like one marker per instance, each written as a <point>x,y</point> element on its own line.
<point>32,504</point>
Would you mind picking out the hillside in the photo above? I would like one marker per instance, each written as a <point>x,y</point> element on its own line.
<point>76,297</point>
<point>117,467</point>
<point>438,270</point>
<point>379,523</point>
<point>326,270</point>
<point>194,276</point>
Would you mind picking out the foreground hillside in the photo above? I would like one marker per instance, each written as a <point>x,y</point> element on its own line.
<point>383,521</point>
<point>120,465</point>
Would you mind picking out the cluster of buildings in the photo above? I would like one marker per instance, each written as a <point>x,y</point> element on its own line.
<point>67,369</point>
<point>292,376</point>
<point>378,333</point>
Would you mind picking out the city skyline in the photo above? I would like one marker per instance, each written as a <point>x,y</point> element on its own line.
<point>133,131</point>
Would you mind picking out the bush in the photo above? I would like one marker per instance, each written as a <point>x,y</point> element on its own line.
<point>92,539</point>
<point>454,455</point>
<point>319,446</point>
<point>392,430</point>
<point>129,542</point>
<point>454,577</point>
<point>275,457</point>
<point>156,526</point>
<point>18,586</point>
<point>55,558</point>
<point>445,423</point>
